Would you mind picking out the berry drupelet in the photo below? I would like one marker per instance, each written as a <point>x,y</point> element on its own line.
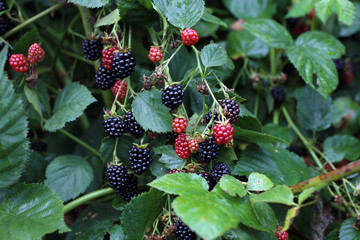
<point>132,125</point>
<point>209,150</point>
<point>278,94</point>
<point>114,126</point>
<point>231,109</point>
<point>92,49</point>
<point>105,78</point>
<point>140,159</point>
<point>218,170</point>
<point>172,96</point>
<point>183,232</point>
<point>123,64</point>
<point>208,117</point>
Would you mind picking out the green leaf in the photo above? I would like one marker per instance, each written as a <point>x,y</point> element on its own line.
<point>146,208</point>
<point>151,113</point>
<point>227,154</point>
<point>313,112</point>
<point>304,195</point>
<point>346,31</point>
<point>241,44</point>
<point>254,137</point>
<point>106,149</point>
<point>169,157</point>
<point>279,194</point>
<point>279,165</point>
<point>300,8</point>
<point>280,132</point>
<point>23,44</point>
<point>270,32</point>
<point>347,230</point>
<point>290,215</point>
<point>181,184</point>
<point>246,9</point>
<point>116,233</point>
<point>265,214</point>
<point>69,105</point>
<point>134,11</point>
<point>162,5</point>
<point>3,56</point>
<point>69,175</point>
<point>259,182</point>
<point>213,55</point>
<point>338,147</point>
<point>245,233</point>
<point>208,17</point>
<point>35,169</point>
<point>33,98</point>
<point>30,211</point>
<point>248,121</point>
<point>109,19</point>
<point>185,13</point>
<point>90,3</point>
<point>14,146</point>
<point>232,186</point>
<point>343,8</point>
<point>333,235</point>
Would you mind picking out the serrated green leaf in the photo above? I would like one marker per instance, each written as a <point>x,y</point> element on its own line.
<point>243,44</point>
<point>69,175</point>
<point>146,208</point>
<point>227,155</point>
<point>194,121</point>
<point>248,121</point>
<point>343,8</point>
<point>213,55</point>
<point>33,98</point>
<point>169,157</point>
<point>338,147</point>
<point>232,186</point>
<point>69,105</point>
<point>346,31</point>
<point>259,182</point>
<point>208,17</point>
<point>246,9</point>
<point>265,214</point>
<point>106,149</point>
<point>116,233</point>
<point>333,235</point>
<point>279,194</point>
<point>270,32</point>
<point>151,113</point>
<point>185,13</point>
<point>109,19</point>
<point>347,230</point>
<point>3,56</point>
<point>23,44</point>
<point>134,11</point>
<point>35,169</point>
<point>14,147</point>
<point>280,132</point>
<point>30,211</point>
<point>90,3</point>
<point>162,5</point>
<point>181,184</point>
<point>249,136</point>
<point>300,8</point>
<point>304,195</point>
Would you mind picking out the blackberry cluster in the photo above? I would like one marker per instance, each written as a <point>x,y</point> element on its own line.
<point>114,126</point>
<point>92,49</point>
<point>123,64</point>
<point>140,159</point>
<point>209,150</point>
<point>208,179</point>
<point>278,94</point>
<point>132,125</point>
<point>208,117</point>
<point>232,109</point>
<point>218,170</point>
<point>38,146</point>
<point>124,183</point>
<point>105,78</point>
<point>172,96</point>
<point>183,232</point>
<point>3,5</point>
<point>172,135</point>
<point>5,24</point>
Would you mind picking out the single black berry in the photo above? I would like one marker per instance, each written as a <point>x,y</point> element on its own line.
<point>105,78</point>
<point>278,94</point>
<point>208,117</point>
<point>292,22</point>
<point>339,64</point>
<point>183,232</point>
<point>123,64</point>
<point>172,135</point>
<point>129,191</point>
<point>140,159</point>
<point>218,170</point>
<point>231,109</point>
<point>209,150</point>
<point>5,24</point>
<point>132,125</point>
<point>3,5</point>
<point>114,126</point>
<point>124,183</point>
<point>208,179</point>
<point>92,49</point>
<point>172,96</point>
<point>297,150</point>
<point>38,146</point>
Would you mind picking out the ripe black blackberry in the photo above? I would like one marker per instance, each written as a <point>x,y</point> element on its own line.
<point>208,179</point>
<point>218,170</point>
<point>278,94</point>
<point>129,191</point>
<point>3,5</point>
<point>209,150</point>
<point>297,150</point>
<point>172,96</point>
<point>38,146</point>
<point>183,232</point>
<point>5,24</point>
<point>105,78</point>
<point>172,135</point>
<point>123,64</point>
<point>121,181</point>
<point>231,109</point>
<point>339,64</point>
<point>140,159</point>
<point>114,126</point>
<point>92,49</point>
<point>132,125</point>
<point>208,117</point>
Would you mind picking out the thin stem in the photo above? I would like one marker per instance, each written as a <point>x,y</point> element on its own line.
<point>198,60</point>
<point>276,117</point>
<point>86,198</point>
<point>241,72</point>
<point>79,141</point>
<point>256,107</point>
<point>272,61</point>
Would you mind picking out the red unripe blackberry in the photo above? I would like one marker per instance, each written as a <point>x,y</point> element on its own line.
<point>123,64</point>
<point>189,37</point>
<point>105,78</point>
<point>183,232</point>
<point>155,54</point>
<point>209,149</point>
<point>121,87</point>
<point>172,135</point>
<point>231,109</point>
<point>223,134</point>
<point>140,159</point>
<point>114,126</point>
<point>278,94</point>
<point>36,54</point>
<point>193,145</point>
<point>19,63</point>
<point>282,235</point>
<point>172,96</point>
<point>92,49</point>
<point>218,170</point>
<point>124,183</point>
<point>182,146</point>
<point>107,57</point>
<point>179,125</point>
<point>174,171</point>
<point>132,125</point>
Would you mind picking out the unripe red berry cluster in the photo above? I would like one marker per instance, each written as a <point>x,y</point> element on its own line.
<point>155,54</point>
<point>189,37</point>
<point>182,146</point>
<point>179,125</point>
<point>223,132</point>
<point>121,87</point>
<point>21,64</point>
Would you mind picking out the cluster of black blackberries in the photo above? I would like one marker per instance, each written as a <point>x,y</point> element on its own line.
<point>218,170</point>
<point>5,23</point>
<point>140,159</point>
<point>231,109</point>
<point>183,232</point>
<point>209,149</point>
<point>123,64</point>
<point>132,125</point>
<point>38,146</point>
<point>125,184</point>
<point>278,93</point>
<point>114,126</point>
<point>92,49</point>
<point>172,96</point>
<point>105,78</point>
